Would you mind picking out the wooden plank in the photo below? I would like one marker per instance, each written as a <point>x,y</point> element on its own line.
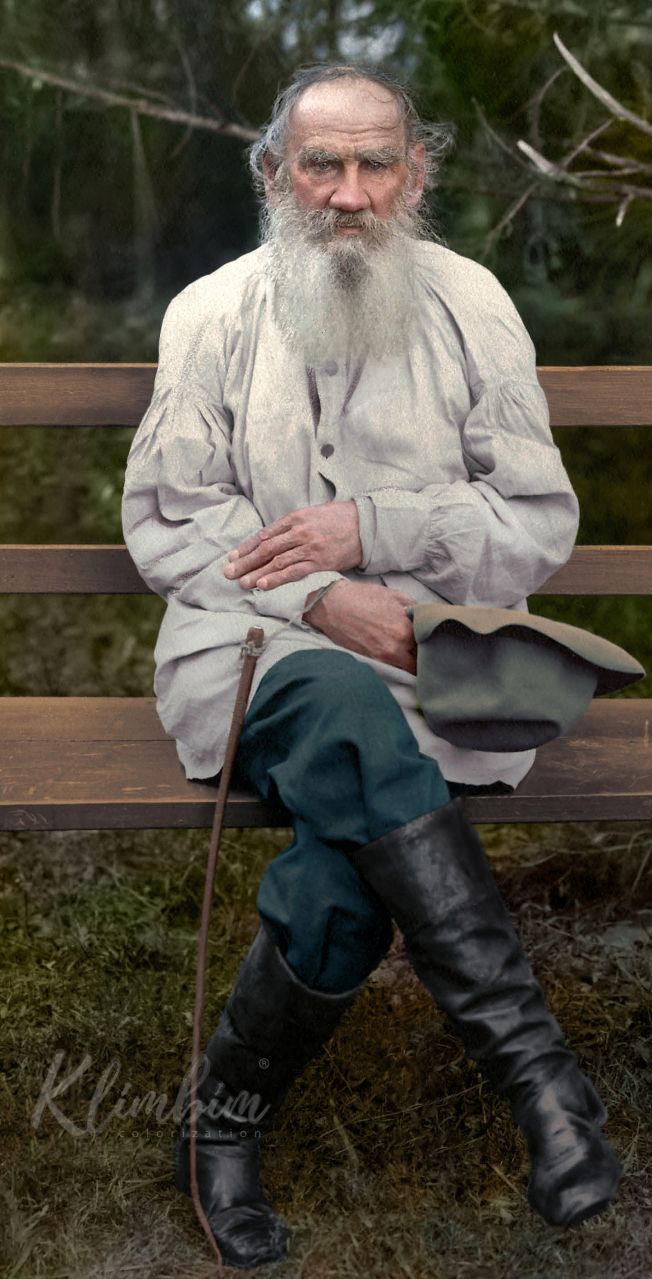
<point>600,770</point>
<point>56,570</point>
<point>109,569</point>
<point>98,570</point>
<point>98,785</point>
<point>603,570</point>
<point>80,719</point>
<point>598,395</point>
<point>94,763</point>
<point>118,394</point>
<point>74,394</point>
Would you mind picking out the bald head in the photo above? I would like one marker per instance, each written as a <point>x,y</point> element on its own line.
<point>338,103</point>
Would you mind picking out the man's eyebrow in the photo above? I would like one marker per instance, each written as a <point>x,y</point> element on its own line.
<point>388,154</point>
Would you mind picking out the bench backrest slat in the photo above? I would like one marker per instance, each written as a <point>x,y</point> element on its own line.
<point>118,394</point>
<point>97,570</point>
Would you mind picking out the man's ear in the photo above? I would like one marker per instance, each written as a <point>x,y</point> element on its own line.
<point>417,177</point>
<point>269,179</point>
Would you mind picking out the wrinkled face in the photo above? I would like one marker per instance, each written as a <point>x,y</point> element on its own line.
<point>347,152</point>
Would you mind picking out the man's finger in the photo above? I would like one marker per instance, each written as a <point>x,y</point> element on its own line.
<point>261,555</point>
<point>250,543</point>
<point>294,574</point>
<point>244,563</point>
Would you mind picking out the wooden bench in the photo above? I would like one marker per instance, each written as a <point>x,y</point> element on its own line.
<point>72,763</point>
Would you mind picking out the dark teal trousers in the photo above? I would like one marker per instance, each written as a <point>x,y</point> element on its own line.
<point>324,735</point>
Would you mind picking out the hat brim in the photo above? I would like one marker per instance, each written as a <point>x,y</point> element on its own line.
<point>615,667</point>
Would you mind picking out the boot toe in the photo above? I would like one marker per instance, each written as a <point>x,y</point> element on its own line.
<point>249,1234</point>
<point>247,1230</point>
<point>566,1197</point>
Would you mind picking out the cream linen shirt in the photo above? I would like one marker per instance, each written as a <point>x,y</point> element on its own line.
<point>447,451</point>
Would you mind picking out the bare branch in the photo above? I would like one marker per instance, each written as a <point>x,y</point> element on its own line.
<point>573,179</point>
<point>626,171</point>
<point>536,100</point>
<point>192,90</point>
<point>139,105</point>
<point>141,90</point>
<point>558,172</point>
<point>639,193</point>
<point>617,109</point>
<point>619,160</point>
<point>622,209</point>
<point>548,167</point>
<point>581,146</point>
<point>507,218</point>
<point>496,137</point>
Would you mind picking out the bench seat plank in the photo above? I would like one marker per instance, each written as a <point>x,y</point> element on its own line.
<point>75,763</point>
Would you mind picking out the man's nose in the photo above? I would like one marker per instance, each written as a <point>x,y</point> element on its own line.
<point>349,194</point>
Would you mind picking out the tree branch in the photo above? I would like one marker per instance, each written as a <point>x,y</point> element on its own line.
<point>617,109</point>
<point>495,136</point>
<point>545,166</point>
<point>140,105</point>
<point>573,179</point>
<point>507,218</point>
<point>619,160</point>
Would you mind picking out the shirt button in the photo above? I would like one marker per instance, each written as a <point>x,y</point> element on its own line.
<point>326,450</point>
<point>330,368</point>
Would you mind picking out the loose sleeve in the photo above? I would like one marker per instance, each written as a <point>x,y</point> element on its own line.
<point>497,536</point>
<point>182,511</point>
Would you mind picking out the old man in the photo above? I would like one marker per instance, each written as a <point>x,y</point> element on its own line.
<point>352,406</point>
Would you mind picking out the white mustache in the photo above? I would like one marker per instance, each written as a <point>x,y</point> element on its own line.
<point>322,222</point>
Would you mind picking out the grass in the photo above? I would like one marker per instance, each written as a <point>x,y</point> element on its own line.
<point>391,1156</point>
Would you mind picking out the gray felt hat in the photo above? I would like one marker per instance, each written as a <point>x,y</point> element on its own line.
<point>496,679</point>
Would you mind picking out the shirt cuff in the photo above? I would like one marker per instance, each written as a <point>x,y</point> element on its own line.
<point>395,530</point>
<point>366,527</point>
<point>283,601</point>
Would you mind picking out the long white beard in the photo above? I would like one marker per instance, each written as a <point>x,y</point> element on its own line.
<point>342,296</point>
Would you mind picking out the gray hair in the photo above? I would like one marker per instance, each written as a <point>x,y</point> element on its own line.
<point>437,138</point>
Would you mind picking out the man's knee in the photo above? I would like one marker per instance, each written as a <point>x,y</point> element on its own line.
<point>330,678</point>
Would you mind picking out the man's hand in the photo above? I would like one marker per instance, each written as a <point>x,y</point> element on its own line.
<point>368,619</point>
<point>308,540</point>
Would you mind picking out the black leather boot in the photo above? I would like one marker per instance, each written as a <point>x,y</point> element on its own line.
<point>434,877</point>
<point>272,1025</point>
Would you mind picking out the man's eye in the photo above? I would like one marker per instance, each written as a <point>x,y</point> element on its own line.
<point>376,164</point>
<point>321,164</point>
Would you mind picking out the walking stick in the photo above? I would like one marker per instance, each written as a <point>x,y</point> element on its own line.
<point>251,651</point>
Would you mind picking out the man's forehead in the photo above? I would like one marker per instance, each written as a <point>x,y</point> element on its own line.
<point>346,109</point>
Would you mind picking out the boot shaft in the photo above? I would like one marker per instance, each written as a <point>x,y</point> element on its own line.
<point>270,1028</point>
<point>433,875</point>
